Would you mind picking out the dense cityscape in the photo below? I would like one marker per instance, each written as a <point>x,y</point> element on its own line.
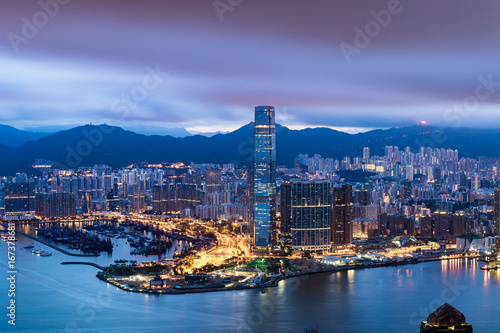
<point>238,228</point>
<point>249,166</point>
<point>430,194</point>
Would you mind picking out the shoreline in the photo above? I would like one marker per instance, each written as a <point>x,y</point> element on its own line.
<point>273,284</point>
<point>57,248</point>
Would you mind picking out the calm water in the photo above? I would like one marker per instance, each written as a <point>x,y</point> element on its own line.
<point>55,298</point>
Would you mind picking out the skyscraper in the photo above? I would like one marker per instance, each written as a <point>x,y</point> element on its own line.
<point>496,209</point>
<point>366,154</point>
<point>55,204</point>
<point>342,215</point>
<point>19,199</point>
<point>311,214</point>
<point>285,208</point>
<point>213,180</point>
<point>264,176</point>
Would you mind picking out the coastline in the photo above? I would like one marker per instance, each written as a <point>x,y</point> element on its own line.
<point>273,283</point>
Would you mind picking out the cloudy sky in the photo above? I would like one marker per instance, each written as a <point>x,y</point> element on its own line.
<point>204,64</point>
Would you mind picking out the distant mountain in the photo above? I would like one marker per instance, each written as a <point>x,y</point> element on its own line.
<point>114,146</point>
<point>207,134</point>
<point>176,132</point>
<point>51,129</point>
<point>13,137</point>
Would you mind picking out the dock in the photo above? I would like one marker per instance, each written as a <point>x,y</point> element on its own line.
<point>83,263</point>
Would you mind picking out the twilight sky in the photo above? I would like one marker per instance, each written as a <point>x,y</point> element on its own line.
<point>91,62</point>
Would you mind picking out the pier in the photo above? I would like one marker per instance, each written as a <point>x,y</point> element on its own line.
<point>83,263</point>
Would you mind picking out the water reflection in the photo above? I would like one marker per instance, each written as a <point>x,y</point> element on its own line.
<point>121,248</point>
<point>386,299</point>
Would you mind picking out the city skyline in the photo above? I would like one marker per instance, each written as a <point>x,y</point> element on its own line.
<point>318,69</point>
<point>249,165</point>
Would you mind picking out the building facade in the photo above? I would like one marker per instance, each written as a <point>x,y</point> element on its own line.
<point>342,215</point>
<point>55,205</point>
<point>19,199</point>
<point>311,208</point>
<point>264,196</point>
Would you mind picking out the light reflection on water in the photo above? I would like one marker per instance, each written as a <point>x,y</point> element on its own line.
<point>387,299</point>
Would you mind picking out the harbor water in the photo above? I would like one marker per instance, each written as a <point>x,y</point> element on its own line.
<point>51,297</point>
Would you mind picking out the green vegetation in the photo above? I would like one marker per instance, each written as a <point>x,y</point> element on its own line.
<point>113,271</point>
<point>260,264</point>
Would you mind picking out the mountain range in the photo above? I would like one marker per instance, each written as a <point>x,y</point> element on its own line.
<point>40,131</point>
<point>102,144</point>
<point>14,137</point>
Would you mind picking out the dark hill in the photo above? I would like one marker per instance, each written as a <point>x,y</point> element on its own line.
<point>89,145</point>
<point>13,137</point>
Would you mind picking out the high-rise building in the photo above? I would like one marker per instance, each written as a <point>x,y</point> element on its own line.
<point>55,205</point>
<point>19,199</point>
<point>342,215</point>
<point>366,154</point>
<point>213,180</point>
<point>463,181</point>
<point>395,225</point>
<point>362,197</point>
<point>161,198</point>
<point>409,172</point>
<point>407,189</point>
<point>496,206</point>
<point>264,176</point>
<point>311,215</point>
<point>286,208</point>
<point>475,180</point>
<point>442,224</point>
<point>250,187</point>
<point>188,196</point>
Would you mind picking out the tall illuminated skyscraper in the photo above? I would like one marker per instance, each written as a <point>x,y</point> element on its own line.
<point>264,196</point>
<point>496,211</point>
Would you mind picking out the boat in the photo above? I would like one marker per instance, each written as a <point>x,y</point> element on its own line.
<point>31,246</point>
<point>167,260</point>
<point>491,265</point>
<point>45,254</point>
<point>121,261</point>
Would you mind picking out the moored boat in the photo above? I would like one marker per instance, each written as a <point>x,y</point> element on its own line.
<point>45,254</point>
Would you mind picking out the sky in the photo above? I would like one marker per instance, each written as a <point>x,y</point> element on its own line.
<point>204,64</point>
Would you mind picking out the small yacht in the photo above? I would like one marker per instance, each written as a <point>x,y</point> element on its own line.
<point>45,254</point>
